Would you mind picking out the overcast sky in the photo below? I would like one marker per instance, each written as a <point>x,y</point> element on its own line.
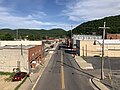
<point>47,14</point>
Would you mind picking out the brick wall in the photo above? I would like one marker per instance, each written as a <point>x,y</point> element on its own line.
<point>35,53</point>
<point>113,36</point>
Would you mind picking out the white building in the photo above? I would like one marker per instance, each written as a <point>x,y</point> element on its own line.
<point>3,43</point>
<point>84,37</point>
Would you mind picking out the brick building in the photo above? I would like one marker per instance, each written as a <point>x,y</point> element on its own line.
<point>35,55</point>
<point>112,36</point>
<point>20,54</point>
<point>22,57</point>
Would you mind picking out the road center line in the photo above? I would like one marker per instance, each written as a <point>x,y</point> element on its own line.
<point>62,72</point>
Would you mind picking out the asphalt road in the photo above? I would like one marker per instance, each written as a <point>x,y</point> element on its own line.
<point>62,73</point>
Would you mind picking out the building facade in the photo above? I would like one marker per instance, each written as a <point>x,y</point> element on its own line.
<point>112,36</point>
<point>22,55</point>
<point>84,37</point>
<point>94,48</point>
<point>19,57</point>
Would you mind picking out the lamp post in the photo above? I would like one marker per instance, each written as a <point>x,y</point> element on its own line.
<point>71,31</point>
<point>102,61</point>
<point>71,42</point>
<point>16,34</point>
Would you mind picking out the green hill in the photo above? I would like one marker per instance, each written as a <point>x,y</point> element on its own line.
<point>32,34</point>
<point>92,26</point>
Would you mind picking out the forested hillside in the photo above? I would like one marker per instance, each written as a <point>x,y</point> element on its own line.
<point>92,26</point>
<point>31,34</point>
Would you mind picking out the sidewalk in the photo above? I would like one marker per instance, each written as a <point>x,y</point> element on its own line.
<point>85,66</point>
<point>30,81</point>
<point>82,63</point>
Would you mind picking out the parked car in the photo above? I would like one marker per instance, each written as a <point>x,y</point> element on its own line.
<point>19,76</point>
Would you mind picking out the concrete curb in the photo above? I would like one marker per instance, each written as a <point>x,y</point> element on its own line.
<point>95,81</point>
<point>31,81</point>
<point>41,72</point>
<point>98,84</point>
<point>94,84</point>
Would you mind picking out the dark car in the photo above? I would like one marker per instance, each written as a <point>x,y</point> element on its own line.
<point>19,76</point>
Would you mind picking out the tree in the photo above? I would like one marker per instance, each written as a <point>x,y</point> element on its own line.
<point>7,36</point>
<point>31,37</point>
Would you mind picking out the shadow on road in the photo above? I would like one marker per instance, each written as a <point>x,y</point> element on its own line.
<point>64,64</point>
<point>80,70</point>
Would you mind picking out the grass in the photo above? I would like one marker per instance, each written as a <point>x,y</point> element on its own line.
<point>5,73</point>
<point>10,76</point>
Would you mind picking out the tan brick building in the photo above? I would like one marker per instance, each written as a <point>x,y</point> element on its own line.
<point>89,48</point>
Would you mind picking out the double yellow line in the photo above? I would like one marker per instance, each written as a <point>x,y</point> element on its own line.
<point>62,72</point>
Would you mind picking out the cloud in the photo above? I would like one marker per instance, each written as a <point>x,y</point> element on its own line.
<point>39,15</point>
<point>32,21</point>
<point>84,10</point>
<point>11,18</point>
<point>7,19</point>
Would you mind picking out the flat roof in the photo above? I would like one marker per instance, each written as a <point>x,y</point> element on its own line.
<point>17,46</point>
<point>106,41</point>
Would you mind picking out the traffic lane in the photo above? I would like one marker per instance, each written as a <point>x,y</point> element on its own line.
<point>51,77</point>
<point>74,78</point>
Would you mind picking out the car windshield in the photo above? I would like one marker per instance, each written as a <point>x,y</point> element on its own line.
<point>17,74</point>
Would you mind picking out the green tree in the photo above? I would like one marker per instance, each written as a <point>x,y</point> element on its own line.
<point>7,36</point>
<point>31,37</point>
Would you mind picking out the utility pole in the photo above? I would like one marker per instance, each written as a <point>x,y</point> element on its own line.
<point>71,41</point>
<point>17,34</point>
<point>71,32</point>
<point>102,61</point>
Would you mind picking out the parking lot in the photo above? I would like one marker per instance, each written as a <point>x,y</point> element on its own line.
<point>109,62</point>
<point>111,66</point>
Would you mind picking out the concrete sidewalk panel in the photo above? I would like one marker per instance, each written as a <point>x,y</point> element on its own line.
<point>82,63</point>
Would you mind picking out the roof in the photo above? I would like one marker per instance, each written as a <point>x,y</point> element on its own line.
<point>86,37</point>
<point>17,46</point>
<point>111,42</point>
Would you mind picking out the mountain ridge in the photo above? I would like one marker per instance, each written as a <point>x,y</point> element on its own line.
<point>92,26</point>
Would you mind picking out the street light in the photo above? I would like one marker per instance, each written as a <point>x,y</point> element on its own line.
<point>102,61</point>
<point>71,31</point>
<point>71,39</point>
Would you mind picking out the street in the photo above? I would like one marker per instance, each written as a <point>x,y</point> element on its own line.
<point>63,73</point>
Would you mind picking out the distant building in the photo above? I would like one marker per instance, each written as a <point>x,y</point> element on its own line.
<point>4,43</point>
<point>84,37</point>
<point>112,36</point>
<point>94,48</point>
<point>22,55</point>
